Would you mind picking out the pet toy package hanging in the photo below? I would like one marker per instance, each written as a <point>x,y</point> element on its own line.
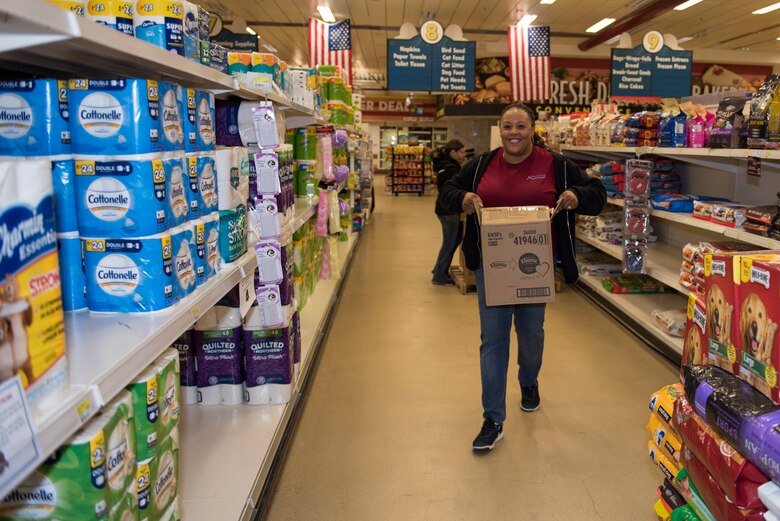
<point>636,215</point>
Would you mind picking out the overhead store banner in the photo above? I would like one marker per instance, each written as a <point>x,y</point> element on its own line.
<point>651,70</point>
<point>383,106</point>
<point>430,62</point>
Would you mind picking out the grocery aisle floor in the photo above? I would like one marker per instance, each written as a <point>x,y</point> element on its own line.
<point>393,408</point>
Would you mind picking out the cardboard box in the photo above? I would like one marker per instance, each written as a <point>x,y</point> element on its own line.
<point>517,257</point>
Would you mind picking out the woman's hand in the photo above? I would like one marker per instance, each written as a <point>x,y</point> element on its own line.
<point>568,201</point>
<point>472,203</point>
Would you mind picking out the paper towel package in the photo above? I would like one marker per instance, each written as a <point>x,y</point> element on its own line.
<point>178,189</point>
<point>268,361</point>
<point>218,354</point>
<point>123,197</point>
<point>161,23</point>
<point>184,263</point>
<point>172,135</point>
<point>71,484</point>
<point>167,366</point>
<point>116,14</point>
<point>208,199</point>
<point>232,192</point>
<point>71,260</point>
<point>185,344</point>
<point>120,442</point>
<point>63,176</point>
<point>115,116</point>
<point>145,395</point>
<point>31,316</point>
<point>34,118</point>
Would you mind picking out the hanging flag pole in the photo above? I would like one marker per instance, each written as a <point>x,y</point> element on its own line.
<point>331,44</point>
<point>529,62</point>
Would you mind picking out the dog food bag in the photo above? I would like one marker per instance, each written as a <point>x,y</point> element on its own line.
<point>669,496</point>
<point>662,402</point>
<point>713,496</point>
<point>759,111</point>
<point>758,317</point>
<point>735,475</point>
<point>667,465</point>
<point>729,129</point>
<point>661,511</point>
<point>664,438</point>
<point>694,339</point>
<point>687,489</point>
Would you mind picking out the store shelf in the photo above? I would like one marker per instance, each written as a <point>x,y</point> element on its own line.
<point>639,307</point>
<point>663,261</point>
<point>737,153</point>
<point>227,477</point>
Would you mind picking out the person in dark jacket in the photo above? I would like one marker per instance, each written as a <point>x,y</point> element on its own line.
<point>447,165</point>
<point>519,173</point>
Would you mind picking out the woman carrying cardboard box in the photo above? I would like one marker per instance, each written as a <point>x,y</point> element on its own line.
<point>522,172</point>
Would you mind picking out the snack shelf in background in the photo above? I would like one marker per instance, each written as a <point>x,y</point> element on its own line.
<point>663,261</point>
<point>224,480</point>
<point>688,220</point>
<point>640,307</point>
<point>736,153</point>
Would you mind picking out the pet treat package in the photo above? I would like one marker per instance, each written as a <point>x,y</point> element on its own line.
<point>730,128</point>
<point>669,495</point>
<point>737,477</point>
<point>759,111</point>
<point>759,314</point>
<point>716,501</point>
<point>745,418</point>
<point>695,339</point>
<point>671,321</point>
<point>720,293</point>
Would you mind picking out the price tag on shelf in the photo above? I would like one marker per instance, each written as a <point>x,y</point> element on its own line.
<point>246,291</point>
<point>19,449</point>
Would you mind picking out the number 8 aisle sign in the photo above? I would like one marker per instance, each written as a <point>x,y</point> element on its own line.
<point>432,32</point>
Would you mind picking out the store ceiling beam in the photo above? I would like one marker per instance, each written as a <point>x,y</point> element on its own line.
<point>638,17</point>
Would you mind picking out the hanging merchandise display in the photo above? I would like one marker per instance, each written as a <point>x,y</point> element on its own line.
<point>636,215</point>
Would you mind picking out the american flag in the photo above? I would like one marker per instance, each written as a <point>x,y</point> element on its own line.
<point>529,62</point>
<point>330,44</point>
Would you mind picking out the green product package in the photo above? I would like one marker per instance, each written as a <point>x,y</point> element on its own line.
<point>163,473</point>
<point>125,509</point>
<point>70,485</point>
<point>145,395</point>
<point>684,513</point>
<point>170,393</point>
<point>306,144</point>
<point>120,447</point>
<point>232,234</point>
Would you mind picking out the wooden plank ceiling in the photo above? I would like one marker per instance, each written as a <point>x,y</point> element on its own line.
<point>712,24</point>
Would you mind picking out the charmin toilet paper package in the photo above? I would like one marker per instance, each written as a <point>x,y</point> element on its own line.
<point>268,361</point>
<point>232,192</point>
<point>129,275</point>
<point>185,345</point>
<point>178,189</point>
<point>115,116</point>
<point>31,318</point>
<point>145,395</point>
<point>71,260</point>
<point>184,260</point>
<point>123,197</point>
<point>119,430</point>
<point>71,484</point>
<point>199,133</point>
<point>116,14</point>
<point>172,135</point>
<point>167,366</point>
<point>161,23</point>
<point>34,118</point>
<point>218,351</point>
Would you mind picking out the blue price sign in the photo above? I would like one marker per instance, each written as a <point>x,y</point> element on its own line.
<point>408,65</point>
<point>446,66</point>
<point>453,66</point>
<point>637,73</point>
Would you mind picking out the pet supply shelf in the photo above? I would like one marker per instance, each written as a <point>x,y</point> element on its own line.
<point>228,450</point>
<point>639,308</point>
<point>688,220</point>
<point>737,153</point>
<point>663,261</point>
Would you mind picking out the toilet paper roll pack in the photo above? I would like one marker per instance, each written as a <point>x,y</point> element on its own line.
<point>171,116</point>
<point>178,189</point>
<point>199,129</point>
<point>191,31</point>
<point>191,184</point>
<point>71,260</point>
<point>34,118</point>
<point>234,124</point>
<point>63,175</point>
<point>145,395</point>
<point>161,23</point>
<point>120,442</point>
<point>269,363</point>
<point>74,6</point>
<point>167,366</point>
<point>206,172</point>
<point>233,190</point>
<point>115,116</point>
<point>218,352</point>
<point>125,197</point>
<point>201,262</point>
<point>157,480</point>
<point>184,246</point>
<point>33,345</point>
<point>116,14</point>
<point>129,275</point>
<point>185,345</point>
<point>71,484</point>
<point>211,234</point>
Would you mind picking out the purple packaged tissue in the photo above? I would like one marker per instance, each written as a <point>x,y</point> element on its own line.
<point>218,355</point>
<point>267,356</point>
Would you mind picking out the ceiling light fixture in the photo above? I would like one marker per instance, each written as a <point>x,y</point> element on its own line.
<point>686,5</point>
<point>326,14</point>
<point>547,2</point>
<point>768,9</point>
<point>685,39</point>
<point>270,48</point>
<point>251,31</point>
<point>527,20</point>
<point>600,25</point>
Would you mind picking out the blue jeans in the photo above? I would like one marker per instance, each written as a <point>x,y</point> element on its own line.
<point>452,234</point>
<point>495,326</point>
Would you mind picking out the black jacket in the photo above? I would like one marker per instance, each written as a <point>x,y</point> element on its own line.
<point>446,168</point>
<point>589,191</point>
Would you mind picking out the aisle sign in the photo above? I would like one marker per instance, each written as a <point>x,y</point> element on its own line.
<point>445,66</point>
<point>18,443</point>
<point>651,70</point>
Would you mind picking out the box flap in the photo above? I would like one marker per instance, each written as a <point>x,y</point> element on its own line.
<point>514,214</point>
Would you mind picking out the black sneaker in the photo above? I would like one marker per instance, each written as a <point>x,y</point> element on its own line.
<point>530,401</point>
<point>486,439</point>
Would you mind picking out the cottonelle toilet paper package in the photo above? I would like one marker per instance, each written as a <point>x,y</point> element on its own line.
<point>208,198</point>
<point>157,480</point>
<point>185,345</point>
<point>129,275</point>
<point>170,396</point>
<point>123,197</point>
<point>116,14</point>
<point>161,23</point>
<point>31,317</point>
<point>115,116</point>
<point>119,430</point>
<point>71,259</point>
<point>125,509</point>
<point>211,235</point>
<point>232,191</point>
<point>178,189</point>
<point>268,360</point>
<point>198,121</point>
<point>184,260</point>
<point>71,484</point>
<point>145,396</point>
<point>218,351</point>
<point>34,118</point>
<point>172,135</point>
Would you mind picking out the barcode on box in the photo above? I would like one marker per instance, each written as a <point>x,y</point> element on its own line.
<point>533,292</point>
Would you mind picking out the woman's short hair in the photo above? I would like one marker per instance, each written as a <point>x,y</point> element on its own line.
<point>452,144</point>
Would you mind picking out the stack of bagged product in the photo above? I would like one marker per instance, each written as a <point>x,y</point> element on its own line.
<point>692,273</point>
<point>728,418</point>
<point>123,465</point>
<point>36,180</point>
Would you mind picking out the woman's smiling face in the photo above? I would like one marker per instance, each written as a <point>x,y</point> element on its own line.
<point>517,132</point>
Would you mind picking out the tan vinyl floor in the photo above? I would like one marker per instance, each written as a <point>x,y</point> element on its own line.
<point>393,408</point>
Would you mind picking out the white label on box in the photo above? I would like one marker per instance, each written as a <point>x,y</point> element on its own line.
<point>19,449</point>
